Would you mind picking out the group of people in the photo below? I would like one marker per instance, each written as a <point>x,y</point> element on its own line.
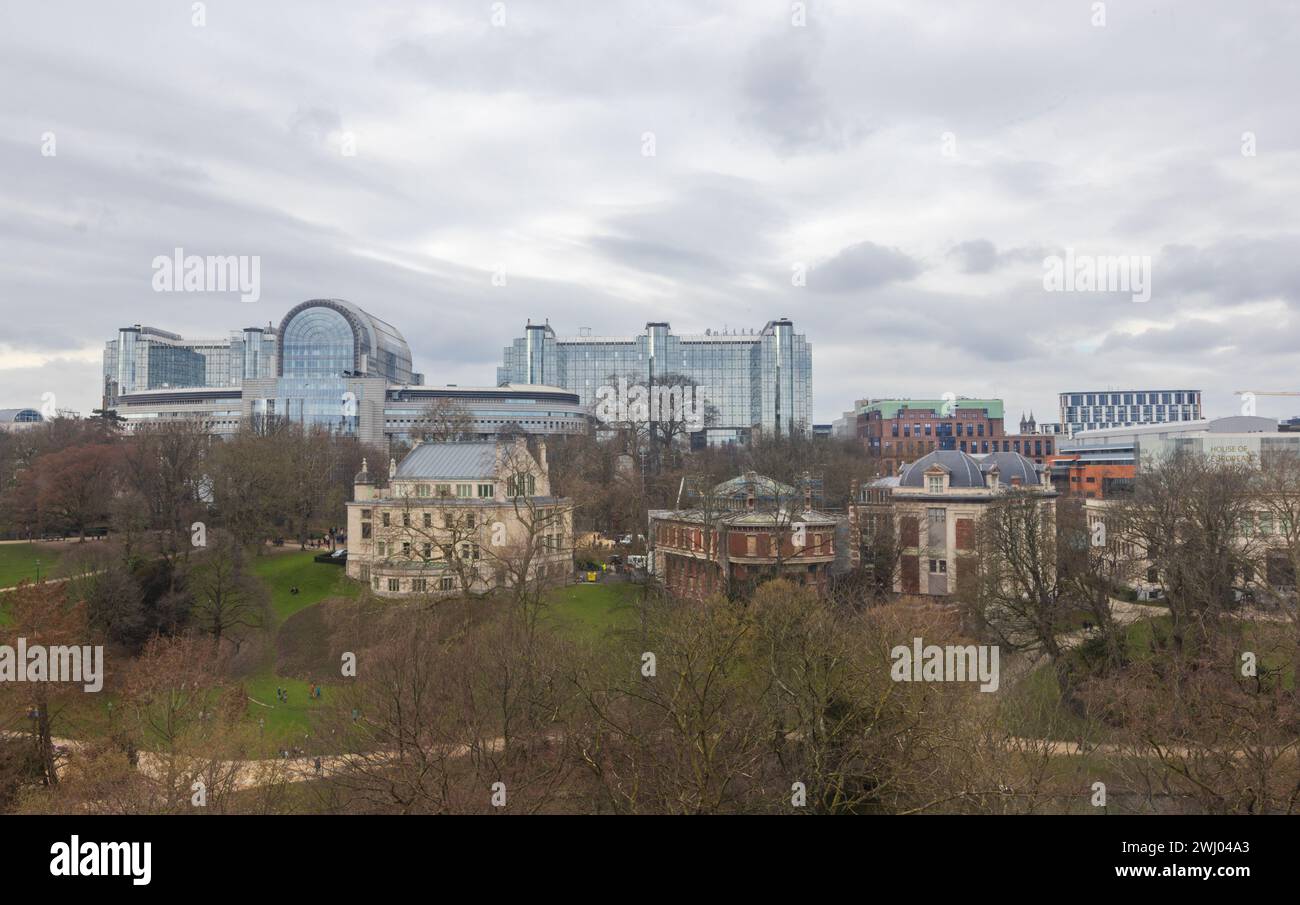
<point>313,693</point>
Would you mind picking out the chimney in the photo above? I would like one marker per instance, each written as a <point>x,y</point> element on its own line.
<point>541,455</point>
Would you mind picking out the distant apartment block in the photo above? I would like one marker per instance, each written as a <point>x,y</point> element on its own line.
<point>760,380</point>
<point>1081,411</point>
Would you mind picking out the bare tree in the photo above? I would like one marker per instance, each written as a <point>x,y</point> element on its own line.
<point>226,596</point>
<point>443,420</point>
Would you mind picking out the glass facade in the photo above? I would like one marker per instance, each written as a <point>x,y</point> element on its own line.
<point>760,379</point>
<point>174,366</point>
<point>145,358</point>
<point>332,337</point>
<point>327,402</point>
<point>318,342</point>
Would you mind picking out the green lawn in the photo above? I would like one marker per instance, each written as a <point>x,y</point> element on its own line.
<point>18,561</point>
<point>287,722</point>
<point>588,611</point>
<point>315,581</point>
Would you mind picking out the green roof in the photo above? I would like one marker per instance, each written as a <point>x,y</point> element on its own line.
<point>889,408</point>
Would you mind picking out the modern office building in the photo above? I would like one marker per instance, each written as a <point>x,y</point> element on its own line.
<point>328,364</point>
<point>1100,410</point>
<point>755,381</point>
<point>1244,438</point>
<point>897,431</point>
<point>146,358</point>
<point>19,419</point>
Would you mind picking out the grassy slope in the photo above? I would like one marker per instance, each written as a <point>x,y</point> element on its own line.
<point>18,561</point>
<point>315,582</point>
<point>585,612</point>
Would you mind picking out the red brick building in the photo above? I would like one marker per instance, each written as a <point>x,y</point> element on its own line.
<point>721,548</point>
<point>898,431</point>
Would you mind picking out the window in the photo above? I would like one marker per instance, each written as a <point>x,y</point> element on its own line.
<point>365,513</point>
<point>464,491</point>
<point>935,483</point>
<point>418,585</point>
<point>379,548</point>
<point>406,519</point>
<point>939,566</point>
<point>751,545</point>
<point>446,583</point>
<point>486,491</point>
<point>427,551</point>
<point>443,490</point>
<point>406,549</point>
<point>365,530</point>
<point>385,520</point>
<point>365,574</point>
<point>428,520</point>
<point>394,584</point>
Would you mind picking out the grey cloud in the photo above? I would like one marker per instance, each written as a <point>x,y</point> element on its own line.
<point>982,256</point>
<point>477,142</point>
<point>863,266</point>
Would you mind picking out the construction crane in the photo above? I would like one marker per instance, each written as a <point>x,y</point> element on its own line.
<point>1248,398</point>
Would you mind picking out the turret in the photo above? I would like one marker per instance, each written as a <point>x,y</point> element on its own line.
<point>363,485</point>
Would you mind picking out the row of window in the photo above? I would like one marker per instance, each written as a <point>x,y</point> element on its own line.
<point>415,585</point>
<point>956,428</point>
<point>461,491</point>
<point>386,519</point>
<point>1188,397</point>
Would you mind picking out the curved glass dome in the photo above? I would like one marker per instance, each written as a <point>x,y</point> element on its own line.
<point>328,337</point>
<point>318,342</point>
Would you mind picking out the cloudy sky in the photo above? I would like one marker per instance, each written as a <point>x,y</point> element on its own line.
<point>917,160</point>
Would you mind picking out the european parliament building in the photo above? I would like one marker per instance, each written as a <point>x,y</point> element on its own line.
<point>328,364</point>
<point>759,380</point>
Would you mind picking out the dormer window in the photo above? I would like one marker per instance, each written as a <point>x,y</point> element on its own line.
<point>935,483</point>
